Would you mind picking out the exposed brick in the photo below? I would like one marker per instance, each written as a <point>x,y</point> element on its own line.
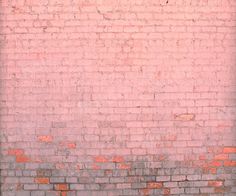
<point>22,159</point>
<point>154,185</point>
<point>118,159</point>
<point>185,117</point>
<point>221,157</point>
<point>215,183</point>
<point>145,191</point>
<point>15,152</point>
<point>229,150</point>
<point>70,145</point>
<point>101,159</point>
<point>230,163</point>
<point>42,180</point>
<point>61,187</point>
<point>45,138</point>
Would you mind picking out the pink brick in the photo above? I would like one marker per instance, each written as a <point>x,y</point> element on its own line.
<point>117,97</point>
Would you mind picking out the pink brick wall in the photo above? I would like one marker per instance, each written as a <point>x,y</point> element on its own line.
<point>128,97</point>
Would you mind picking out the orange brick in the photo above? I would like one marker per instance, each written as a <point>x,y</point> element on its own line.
<point>22,159</point>
<point>154,185</point>
<point>145,191</point>
<point>215,183</point>
<point>101,159</point>
<point>61,187</point>
<point>230,163</point>
<point>229,150</point>
<point>63,193</point>
<point>71,145</point>
<point>166,191</point>
<point>215,164</point>
<point>211,170</point>
<point>42,180</point>
<point>118,159</point>
<point>45,138</point>
<point>15,152</point>
<point>221,157</point>
<point>185,117</point>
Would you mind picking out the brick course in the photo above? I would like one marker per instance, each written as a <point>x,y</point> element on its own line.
<point>127,97</point>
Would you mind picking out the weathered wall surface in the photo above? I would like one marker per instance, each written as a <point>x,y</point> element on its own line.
<point>119,97</point>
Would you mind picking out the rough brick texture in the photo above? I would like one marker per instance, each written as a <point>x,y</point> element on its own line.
<point>118,97</point>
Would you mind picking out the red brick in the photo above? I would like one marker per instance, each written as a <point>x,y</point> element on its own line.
<point>101,159</point>
<point>230,163</point>
<point>118,159</point>
<point>145,191</point>
<point>166,191</point>
<point>215,164</point>
<point>215,183</point>
<point>22,159</point>
<point>63,193</point>
<point>154,185</point>
<point>221,157</point>
<point>15,152</point>
<point>42,180</point>
<point>45,138</point>
<point>61,187</point>
<point>229,150</point>
<point>185,117</point>
<point>70,145</point>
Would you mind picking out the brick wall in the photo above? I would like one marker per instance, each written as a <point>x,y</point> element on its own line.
<point>119,97</point>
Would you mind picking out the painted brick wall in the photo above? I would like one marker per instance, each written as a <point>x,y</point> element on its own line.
<point>119,97</point>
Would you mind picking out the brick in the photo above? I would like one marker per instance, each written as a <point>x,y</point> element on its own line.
<point>23,193</point>
<point>163,178</point>
<point>22,159</point>
<point>76,186</point>
<point>37,193</point>
<point>30,186</point>
<point>15,152</point>
<point>101,159</point>
<point>61,187</point>
<point>52,193</point>
<point>154,185</point>
<point>70,145</point>
<point>42,180</point>
<point>117,97</point>
<point>215,183</point>
<point>45,138</point>
<point>176,190</point>
<point>229,150</point>
<point>221,157</point>
<point>57,179</point>
<point>178,178</point>
<point>145,191</point>
<point>185,117</point>
<point>230,163</point>
<point>118,159</point>
<point>124,166</point>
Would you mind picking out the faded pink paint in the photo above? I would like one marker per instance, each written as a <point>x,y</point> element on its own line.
<point>126,97</point>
